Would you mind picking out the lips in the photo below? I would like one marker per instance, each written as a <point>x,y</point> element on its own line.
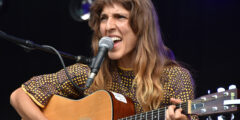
<point>116,40</point>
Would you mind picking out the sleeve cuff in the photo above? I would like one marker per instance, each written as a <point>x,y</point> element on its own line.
<point>32,97</point>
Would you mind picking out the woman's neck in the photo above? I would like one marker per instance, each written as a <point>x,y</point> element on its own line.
<point>126,62</point>
<point>126,65</point>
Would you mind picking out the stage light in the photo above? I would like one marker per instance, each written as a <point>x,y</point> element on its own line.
<point>1,4</point>
<point>80,9</point>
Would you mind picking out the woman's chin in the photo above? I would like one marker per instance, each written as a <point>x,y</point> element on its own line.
<point>113,56</point>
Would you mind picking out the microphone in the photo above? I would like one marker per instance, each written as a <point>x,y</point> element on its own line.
<point>105,44</point>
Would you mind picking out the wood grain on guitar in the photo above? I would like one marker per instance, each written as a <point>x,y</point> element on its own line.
<point>100,105</point>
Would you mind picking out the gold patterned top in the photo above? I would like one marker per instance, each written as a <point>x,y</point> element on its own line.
<point>178,84</point>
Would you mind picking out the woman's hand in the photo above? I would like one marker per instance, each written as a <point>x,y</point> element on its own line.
<point>172,114</point>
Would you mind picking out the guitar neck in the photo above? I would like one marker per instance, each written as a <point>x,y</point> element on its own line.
<point>203,106</point>
<point>158,114</point>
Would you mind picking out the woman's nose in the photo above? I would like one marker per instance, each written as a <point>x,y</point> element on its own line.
<point>111,24</point>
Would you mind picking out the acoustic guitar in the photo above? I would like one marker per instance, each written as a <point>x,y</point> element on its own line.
<point>105,105</point>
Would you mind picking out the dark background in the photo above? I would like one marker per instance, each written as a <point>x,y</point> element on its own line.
<point>203,34</point>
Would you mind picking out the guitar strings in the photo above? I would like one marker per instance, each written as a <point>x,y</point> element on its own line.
<point>200,100</point>
<point>152,114</point>
<point>161,112</point>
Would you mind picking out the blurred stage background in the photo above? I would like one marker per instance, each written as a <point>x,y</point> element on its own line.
<point>203,34</point>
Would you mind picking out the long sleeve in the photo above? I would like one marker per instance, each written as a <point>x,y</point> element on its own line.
<point>41,88</point>
<point>178,84</point>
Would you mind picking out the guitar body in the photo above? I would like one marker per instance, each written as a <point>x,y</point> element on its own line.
<point>101,105</point>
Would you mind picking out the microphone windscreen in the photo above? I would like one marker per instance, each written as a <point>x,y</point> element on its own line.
<point>106,42</point>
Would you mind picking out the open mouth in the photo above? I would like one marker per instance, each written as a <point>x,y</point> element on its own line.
<point>116,40</point>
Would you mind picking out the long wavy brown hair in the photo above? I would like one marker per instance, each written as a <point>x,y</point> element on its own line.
<point>151,53</point>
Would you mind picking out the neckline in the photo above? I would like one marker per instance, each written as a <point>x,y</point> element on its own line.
<point>125,69</point>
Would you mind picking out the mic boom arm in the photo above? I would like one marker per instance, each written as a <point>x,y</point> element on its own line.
<point>29,45</point>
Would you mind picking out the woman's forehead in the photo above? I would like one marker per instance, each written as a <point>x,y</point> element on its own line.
<point>114,8</point>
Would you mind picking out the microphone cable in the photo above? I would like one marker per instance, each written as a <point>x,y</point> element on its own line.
<point>29,45</point>
<point>80,90</point>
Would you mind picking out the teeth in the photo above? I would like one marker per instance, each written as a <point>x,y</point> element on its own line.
<point>115,39</point>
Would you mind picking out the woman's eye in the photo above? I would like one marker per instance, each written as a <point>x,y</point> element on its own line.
<point>103,18</point>
<point>120,16</point>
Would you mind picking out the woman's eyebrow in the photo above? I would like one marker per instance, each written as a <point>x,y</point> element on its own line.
<point>116,13</point>
<point>122,14</point>
<point>103,15</point>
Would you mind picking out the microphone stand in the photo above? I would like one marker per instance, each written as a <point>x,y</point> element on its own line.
<point>29,45</point>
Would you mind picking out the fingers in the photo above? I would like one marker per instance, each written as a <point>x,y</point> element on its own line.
<point>179,115</point>
<point>175,101</point>
<point>175,114</point>
<point>172,114</point>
